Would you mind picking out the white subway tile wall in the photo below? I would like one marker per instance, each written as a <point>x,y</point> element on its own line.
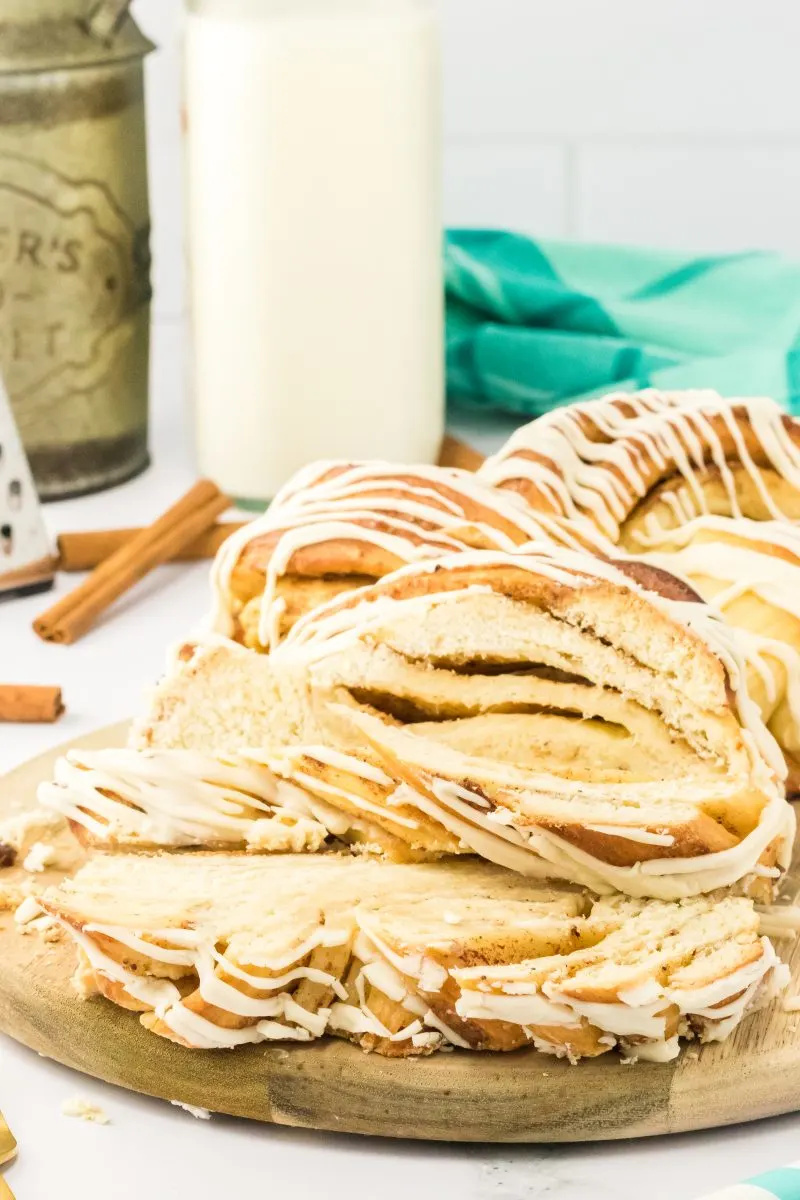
<point>704,196</point>
<point>671,122</point>
<point>519,186</point>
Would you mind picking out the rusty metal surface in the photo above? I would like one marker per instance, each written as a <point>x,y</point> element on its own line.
<point>74,242</point>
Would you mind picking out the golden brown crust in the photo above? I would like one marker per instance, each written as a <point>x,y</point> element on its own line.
<point>354,523</point>
<point>654,471</point>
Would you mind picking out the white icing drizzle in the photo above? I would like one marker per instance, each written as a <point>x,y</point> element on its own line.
<point>747,568</point>
<point>779,920</point>
<point>312,974</point>
<point>177,798</point>
<point>534,1009</point>
<point>637,1012</point>
<point>666,430</point>
<point>421,521</point>
<point>675,878</point>
<point>341,761</point>
<point>543,854</point>
<point>646,1020</point>
<point>311,781</point>
<point>274,1017</point>
<point>152,992</point>
<point>502,845</point>
<point>501,838</point>
<point>630,834</point>
<point>659,1052</point>
<point>172,955</point>
<point>333,626</point>
<point>203,1034</point>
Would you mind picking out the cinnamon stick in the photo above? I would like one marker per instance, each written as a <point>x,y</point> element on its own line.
<point>30,703</point>
<point>85,550</point>
<point>70,617</point>
<point>454,453</point>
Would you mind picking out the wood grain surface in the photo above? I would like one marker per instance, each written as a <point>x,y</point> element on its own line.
<point>458,1096</point>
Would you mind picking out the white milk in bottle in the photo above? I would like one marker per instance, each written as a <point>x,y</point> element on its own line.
<point>313,164</point>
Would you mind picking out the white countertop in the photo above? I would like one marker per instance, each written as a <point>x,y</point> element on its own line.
<point>155,1151</point>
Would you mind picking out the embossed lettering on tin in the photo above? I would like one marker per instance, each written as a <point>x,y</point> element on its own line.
<point>73,268</point>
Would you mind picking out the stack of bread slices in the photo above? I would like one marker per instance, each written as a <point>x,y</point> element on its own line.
<point>476,760</point>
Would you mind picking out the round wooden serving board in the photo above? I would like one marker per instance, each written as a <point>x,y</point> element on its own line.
<point>458,1096</point>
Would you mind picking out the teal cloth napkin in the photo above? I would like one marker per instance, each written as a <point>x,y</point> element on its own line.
<point>533,325</point>
<point>783,1184</point>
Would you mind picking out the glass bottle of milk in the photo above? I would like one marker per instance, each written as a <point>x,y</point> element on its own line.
<point>313,175</point>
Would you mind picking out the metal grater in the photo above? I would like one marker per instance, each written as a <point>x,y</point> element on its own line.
<point>27,563</point>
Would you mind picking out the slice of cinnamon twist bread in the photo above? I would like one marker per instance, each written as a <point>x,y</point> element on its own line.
<point>552,715</point>
<point>219,951</point>
<point>222,699</point>
<point>544,711</point>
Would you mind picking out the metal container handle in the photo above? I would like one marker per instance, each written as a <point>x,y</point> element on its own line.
<point>105,18</point>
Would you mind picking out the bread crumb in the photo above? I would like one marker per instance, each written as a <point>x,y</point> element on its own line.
<point>86,1110</point>
<point>39,858</point>
<point>46,925</point>
<point>29,910</point>
<point>791,1003</point>
<point>202,1114</point>
<point>12,895</point>
<point>21,832</point>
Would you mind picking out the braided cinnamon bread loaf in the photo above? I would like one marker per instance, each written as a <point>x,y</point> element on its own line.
<point>220,951</point>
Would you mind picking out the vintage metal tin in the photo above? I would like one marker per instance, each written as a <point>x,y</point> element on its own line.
<point>74,237</point>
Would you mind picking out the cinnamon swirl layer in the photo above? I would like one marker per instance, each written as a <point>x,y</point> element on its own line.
<point>553,716</point>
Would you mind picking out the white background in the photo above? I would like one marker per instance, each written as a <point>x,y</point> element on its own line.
<point>675,123</point>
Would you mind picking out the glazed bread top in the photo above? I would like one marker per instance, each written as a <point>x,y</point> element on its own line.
<point>628,459</point>
<point>338,526</point>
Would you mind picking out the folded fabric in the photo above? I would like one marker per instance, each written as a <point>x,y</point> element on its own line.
<point>533,325</point>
